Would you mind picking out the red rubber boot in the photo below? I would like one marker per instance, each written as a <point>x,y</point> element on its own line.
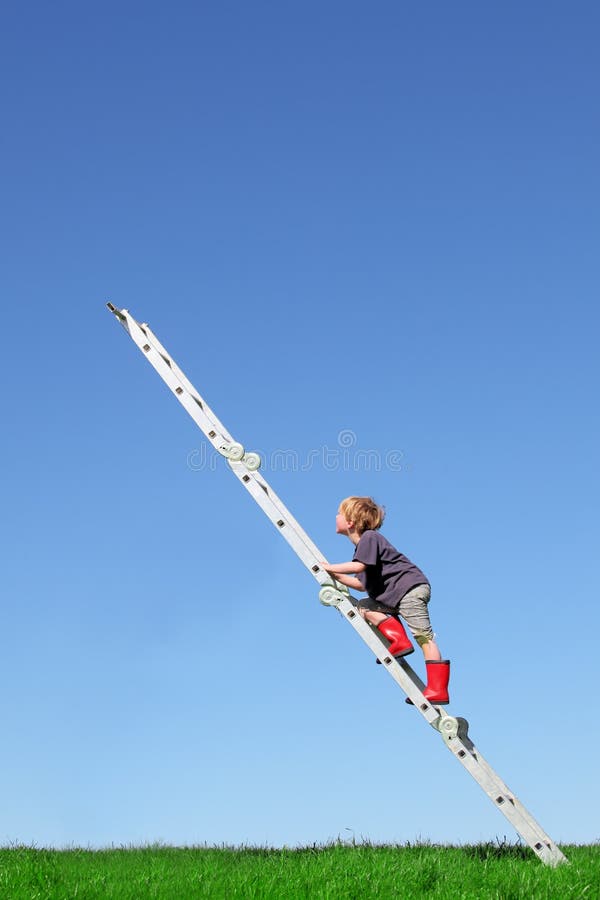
<point>394,632</point>
<point>438,676</point>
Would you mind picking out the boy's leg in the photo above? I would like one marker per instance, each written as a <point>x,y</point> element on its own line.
<point>413,609</point>
<point>431,651</point>
<point>375,618</point>
<point>389,625</point>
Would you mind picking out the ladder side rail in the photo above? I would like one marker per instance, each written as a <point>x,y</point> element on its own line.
<point>162,363</point>
<point>503,790</point>
<point>220,427</point>
<point>460,744</point>
<point>240,470</point>
<point>285,524</point>
<point>471,759</point>
<point>504,800</point>
<point>214,430</point>
<point>292,522</point>
<point>152,339</point>
<point>277,511</point>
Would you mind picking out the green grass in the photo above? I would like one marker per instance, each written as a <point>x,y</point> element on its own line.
<point>331,872</point>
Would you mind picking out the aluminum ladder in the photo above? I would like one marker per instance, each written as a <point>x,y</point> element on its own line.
<point>245,465</point>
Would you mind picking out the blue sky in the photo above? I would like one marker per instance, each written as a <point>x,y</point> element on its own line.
<point>346,221</point>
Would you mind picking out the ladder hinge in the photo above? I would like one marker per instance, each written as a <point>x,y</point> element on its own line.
<point>450,727</point>
<point>329,595</point>
<point>235,452</point>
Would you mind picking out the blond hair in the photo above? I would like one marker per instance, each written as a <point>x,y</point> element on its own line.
<point>364,512</point>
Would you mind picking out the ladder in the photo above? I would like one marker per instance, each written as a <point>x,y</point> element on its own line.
<point>245,466</point>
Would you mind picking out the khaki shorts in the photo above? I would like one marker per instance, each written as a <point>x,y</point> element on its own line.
<point>413,608</point>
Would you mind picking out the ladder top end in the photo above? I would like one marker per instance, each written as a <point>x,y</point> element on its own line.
<point>117,312</point>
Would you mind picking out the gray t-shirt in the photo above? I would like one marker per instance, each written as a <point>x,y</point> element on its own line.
<point>389,574</point>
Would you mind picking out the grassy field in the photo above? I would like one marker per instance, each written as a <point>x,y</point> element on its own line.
<point>335,871</point>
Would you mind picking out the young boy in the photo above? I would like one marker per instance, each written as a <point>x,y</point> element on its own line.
<point>396,587</point>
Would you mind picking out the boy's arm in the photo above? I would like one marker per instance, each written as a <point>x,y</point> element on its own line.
<point>346,568</point>
<point>350,582</point>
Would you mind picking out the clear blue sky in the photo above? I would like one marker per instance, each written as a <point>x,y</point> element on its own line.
<point>376,218</point>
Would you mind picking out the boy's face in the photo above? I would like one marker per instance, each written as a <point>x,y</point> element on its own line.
<point>342,526</point>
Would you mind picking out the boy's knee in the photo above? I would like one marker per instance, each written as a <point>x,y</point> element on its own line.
<point>423,639</point>
<point>372,616</point>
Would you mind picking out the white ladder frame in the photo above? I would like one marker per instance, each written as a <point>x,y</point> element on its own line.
<point>453,730</point>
